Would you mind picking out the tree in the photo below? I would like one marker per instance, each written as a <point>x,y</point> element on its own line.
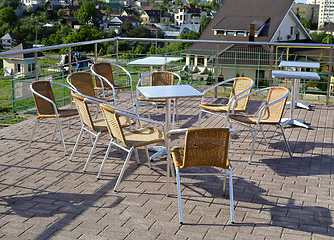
<point>86,13</point>
<point>7,15</point>
<point>86,33</point>
<point>11,3</point>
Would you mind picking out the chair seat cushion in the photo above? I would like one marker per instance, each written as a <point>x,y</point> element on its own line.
<point>251,119</point>
<point>219,107</point>
<point>62,113</point>
<point>143,136</point>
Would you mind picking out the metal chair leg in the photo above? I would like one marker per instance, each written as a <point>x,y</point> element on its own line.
<point>264,136</point>
<point>148,158</point>
<point>123,169</point>
<point>61,135</point>
<point>253,144</point>
<point>231,195</point>
<point>286,143</point>
<point>137,156</point>
<point>76,143</point>
<point>199,118</point>
<point>179,195</point>
<point>33,132</point>
<point>104,159</point>
<point>91,152</point>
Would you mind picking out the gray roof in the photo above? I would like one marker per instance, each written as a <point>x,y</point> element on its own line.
<point>239,14</point>
<point>9,36</point>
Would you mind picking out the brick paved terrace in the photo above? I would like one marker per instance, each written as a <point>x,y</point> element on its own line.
<point>46,196</point>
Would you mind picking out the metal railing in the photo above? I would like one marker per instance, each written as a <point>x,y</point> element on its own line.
<point>197,67</point>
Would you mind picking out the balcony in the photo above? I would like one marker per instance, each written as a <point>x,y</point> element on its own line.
<point>44,195</point>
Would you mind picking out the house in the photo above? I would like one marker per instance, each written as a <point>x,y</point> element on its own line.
<point>244,20</point>
<point>189,14</point>
<point>117,22</point>
<point>8,40</point>
<point>21,64</point>
<point>115,7</point>
<point>141,4</point>
<point>154,16</point>
<point>129,12</point>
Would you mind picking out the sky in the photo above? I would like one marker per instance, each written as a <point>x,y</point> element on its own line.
<point>300,1</point>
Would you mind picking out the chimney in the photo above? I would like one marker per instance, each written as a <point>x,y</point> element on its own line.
<point>251,32</point>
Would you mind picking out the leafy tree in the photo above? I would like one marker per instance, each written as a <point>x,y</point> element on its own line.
<point>318,36</point>
<point>7,15</point>
<point>177,46</point>
<point>86,33</point>
<point>11,3</point>
<point>178,2</point>
<point>61,12</point>
<point>86,13</point>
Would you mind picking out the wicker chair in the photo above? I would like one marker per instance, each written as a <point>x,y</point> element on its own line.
<point>160,78</point>
<point>203,147</point>
<point>270,114</point>
<point>241,86</point>
<point>130,139</point>
<point>94,127</point>
<point>47,108</point>
<point>106,70</point>
<point>83,83</point>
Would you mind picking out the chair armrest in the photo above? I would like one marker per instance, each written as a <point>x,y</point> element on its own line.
<point>63,85</point>
<point>175,131</point>
<point>136,116</point>
<point>218,84</point>
<point>178,76</point>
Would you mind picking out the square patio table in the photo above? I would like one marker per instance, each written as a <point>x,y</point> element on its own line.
<point>168,92</point>
<point>154,61</point>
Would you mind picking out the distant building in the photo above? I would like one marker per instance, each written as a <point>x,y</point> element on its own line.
<point>326,10</point>
<point>154,16</point>
<point>21,64</point>
<point>310,12</point>
<point>117,22</point>
<point>8,40</point>
<point>189,14</point>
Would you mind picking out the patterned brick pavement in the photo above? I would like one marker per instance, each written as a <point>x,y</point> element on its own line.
<point>45,196</point>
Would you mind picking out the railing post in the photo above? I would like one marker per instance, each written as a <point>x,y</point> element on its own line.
<point>330,66</point>
<point>36,66</point>
<point>95,45</point>
<point>69,60</point>
<point>216,68</point>
<point>271,64</point>
<point>13,95</point>
<point>117,51</point>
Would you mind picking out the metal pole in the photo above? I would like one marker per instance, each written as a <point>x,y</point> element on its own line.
<point>330,66</point>
<point>36,66</point>
<point>216,68</point>
<point>271,64</point>
<point>95,45</point>
<point>117,51</point>
<point>69,60</point>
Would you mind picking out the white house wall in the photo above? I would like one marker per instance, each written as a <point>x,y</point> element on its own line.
<point>284,30</point>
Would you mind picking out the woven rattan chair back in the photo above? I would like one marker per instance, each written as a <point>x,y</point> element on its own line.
<point>241,84</point>
<point>113,123</point>
<point>83,82</point>
<point>43,107</point>
<point>206,147</point>
<point>83,111</point>
<point>274,112</point>
<point>105,70</point>
<point>162,78</point>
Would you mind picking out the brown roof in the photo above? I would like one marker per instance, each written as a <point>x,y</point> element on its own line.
<point>234,14</point>
<point>22,46</point>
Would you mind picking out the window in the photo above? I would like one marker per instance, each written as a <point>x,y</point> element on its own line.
<point>31,67</point>
<point>17,68</point>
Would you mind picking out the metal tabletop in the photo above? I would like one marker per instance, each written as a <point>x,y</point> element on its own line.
<point>154,61</point>
<point>299,64</point>
<point>295,75</point>
<point>169,91</point>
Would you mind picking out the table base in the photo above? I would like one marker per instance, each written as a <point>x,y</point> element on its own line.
<point>296,122</point>
<point>303,105</point>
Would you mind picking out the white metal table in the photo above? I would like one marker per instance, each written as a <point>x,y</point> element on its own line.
<point>299,65</point>
<point>154,61</point>
<point>295,75</point>
<point>168,92</point>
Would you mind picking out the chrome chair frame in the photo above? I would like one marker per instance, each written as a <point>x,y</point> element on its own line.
<point>258,124</point>
<point>229,103</point>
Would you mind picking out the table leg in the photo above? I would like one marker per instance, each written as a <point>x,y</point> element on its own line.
<point>291,120</point>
